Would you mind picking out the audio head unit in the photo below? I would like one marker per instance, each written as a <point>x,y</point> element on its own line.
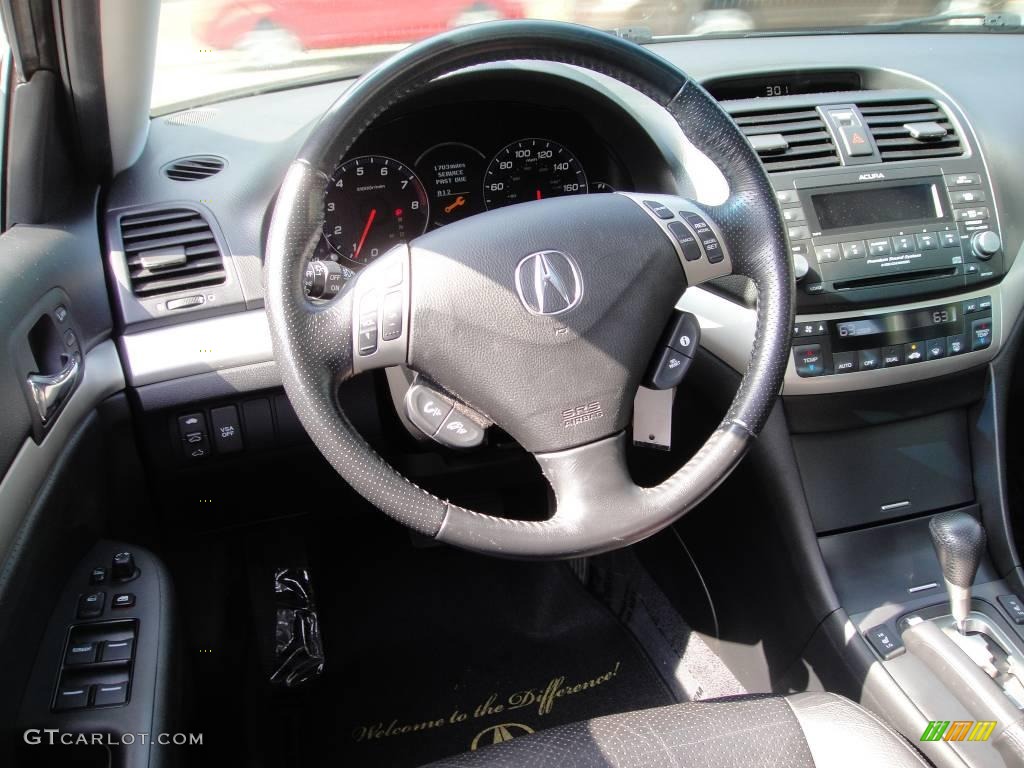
<point>888,234</point>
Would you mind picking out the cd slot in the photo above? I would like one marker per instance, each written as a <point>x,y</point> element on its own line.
<point>882,280</point>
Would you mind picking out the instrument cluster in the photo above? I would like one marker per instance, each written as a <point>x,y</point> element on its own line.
<point>435,167</point>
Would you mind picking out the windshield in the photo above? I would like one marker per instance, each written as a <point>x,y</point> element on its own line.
<point>211,48</point>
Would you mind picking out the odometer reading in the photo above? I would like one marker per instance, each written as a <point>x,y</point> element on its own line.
<point>532,169</point>
<point>373,203</point>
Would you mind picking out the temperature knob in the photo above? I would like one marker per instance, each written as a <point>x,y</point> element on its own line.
<point>324,279</point>
<point>986,244</point>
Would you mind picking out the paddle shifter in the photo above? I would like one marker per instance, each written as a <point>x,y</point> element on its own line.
<point>959,542</point>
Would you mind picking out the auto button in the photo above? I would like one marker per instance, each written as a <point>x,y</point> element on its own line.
<point>426,409</point>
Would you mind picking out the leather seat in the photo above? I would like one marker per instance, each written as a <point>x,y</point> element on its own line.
<point>807,730</point>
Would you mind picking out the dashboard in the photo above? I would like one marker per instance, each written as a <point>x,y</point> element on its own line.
<point>474,141</point>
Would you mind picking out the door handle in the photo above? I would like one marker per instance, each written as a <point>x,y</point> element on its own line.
<point>50,392</point>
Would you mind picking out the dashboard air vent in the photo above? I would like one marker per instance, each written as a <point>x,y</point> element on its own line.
<point>194,167</point>
<point>789,139</point>
<point>170,250</point>
<point>907,130</point>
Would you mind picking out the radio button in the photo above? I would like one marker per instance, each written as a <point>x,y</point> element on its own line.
<point>799,248</point>
<point>854,250</point>
<point>892,356</point>
<point>827,253</point>
<point>956,344</point>
<point>969,197</point>
<point>880,247</point>
<point>935,348</point>
<point>794,215</point>
<point>800,232</point>
<point>813,289</point>
<point>913,352</point>
<point>809,361</point>
<point>927,241</point>
<point>904,243</point>
<point>971,214</point>
<point>787,196</point>
<point>870,359</point>
<point>844,362</point>
<point>949,239</point>
<point>963,180</point>
<point>981,333</point>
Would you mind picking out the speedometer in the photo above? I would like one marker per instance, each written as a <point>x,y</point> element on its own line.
<point>372,203</point>
<point>532,169</point>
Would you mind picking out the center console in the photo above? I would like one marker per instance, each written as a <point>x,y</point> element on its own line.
<point>895,238</point>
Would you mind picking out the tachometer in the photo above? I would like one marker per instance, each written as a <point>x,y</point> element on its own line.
<point>372,203</point>
<point>532,169</point>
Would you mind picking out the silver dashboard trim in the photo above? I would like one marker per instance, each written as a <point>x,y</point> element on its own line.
<point>102,376</point>
<point>199,346</point>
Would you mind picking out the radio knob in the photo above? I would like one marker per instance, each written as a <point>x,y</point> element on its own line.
<point>800,266</point>
<point>986,244</point>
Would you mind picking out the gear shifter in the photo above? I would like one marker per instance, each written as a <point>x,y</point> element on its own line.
<point>959,542</point>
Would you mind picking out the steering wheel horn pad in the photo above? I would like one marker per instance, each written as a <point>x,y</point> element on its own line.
<point>542,317</point>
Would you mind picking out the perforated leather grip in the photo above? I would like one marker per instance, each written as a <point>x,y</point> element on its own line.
<point>959,543</point>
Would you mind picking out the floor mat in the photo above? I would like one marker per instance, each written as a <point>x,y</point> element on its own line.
<point>435,652</point>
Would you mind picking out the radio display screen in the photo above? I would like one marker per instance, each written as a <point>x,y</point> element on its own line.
<point>879,205</point>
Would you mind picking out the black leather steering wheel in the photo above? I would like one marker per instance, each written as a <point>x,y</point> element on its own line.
<point>551,349</point>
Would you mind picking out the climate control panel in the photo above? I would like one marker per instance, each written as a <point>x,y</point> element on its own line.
<point>846,345</point>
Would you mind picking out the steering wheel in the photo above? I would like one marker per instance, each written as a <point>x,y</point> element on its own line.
<point>540,317</point>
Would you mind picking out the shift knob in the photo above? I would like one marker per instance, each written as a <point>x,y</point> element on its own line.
<point>959,543</point>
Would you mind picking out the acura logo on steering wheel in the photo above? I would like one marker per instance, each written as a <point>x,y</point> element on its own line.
<point>549,283</point>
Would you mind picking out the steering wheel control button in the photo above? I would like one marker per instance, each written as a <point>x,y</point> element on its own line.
<point>659,210</point>
<point>227,431</point>
<point>685,334</point>
<point>90,606</point>
<point>712,247</point>
<point>669,369</point>
<point>426,409</point>
<point>391,322</point>
<point>459,431</point>
<point>687,242</point>
<point>80,653</point>
<point>981,333</point>
<point>886,643</point>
